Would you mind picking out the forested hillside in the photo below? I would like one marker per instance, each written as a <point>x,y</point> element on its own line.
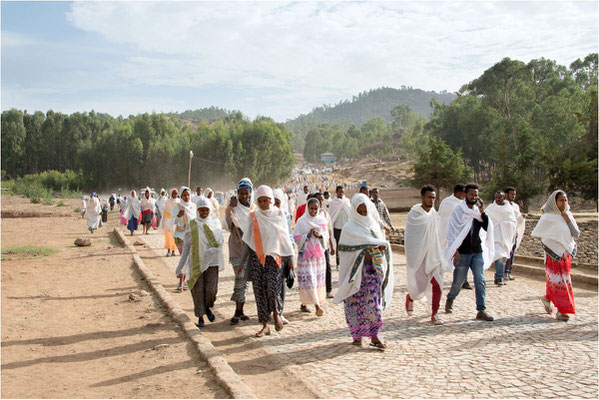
<point>209,114</point>
<point>146,149</point>
<point>364,107</point>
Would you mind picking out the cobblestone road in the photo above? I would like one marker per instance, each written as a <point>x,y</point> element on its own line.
<point>523,353</point>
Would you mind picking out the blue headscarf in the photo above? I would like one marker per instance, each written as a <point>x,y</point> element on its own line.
<point>245,183</point>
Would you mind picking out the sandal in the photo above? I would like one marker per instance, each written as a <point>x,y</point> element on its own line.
<point>210,315</point>
<point>319,312</point>
<point>262,332</point>
<point>304,308</point>
<point>357,342</point>
<point>244,317</point>
<point>379,345</point>
<point>180,289</point>
<point>547,305</point>
<point>234,321</point>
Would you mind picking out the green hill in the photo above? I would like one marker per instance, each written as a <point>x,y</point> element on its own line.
<point>374,103</point>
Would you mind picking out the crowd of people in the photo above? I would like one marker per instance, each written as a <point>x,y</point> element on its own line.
<point>267,249</point>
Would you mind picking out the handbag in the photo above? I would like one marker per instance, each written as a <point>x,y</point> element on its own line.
<point>290,279</point>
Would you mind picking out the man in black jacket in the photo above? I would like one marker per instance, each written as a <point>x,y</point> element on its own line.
<point>469,219</point>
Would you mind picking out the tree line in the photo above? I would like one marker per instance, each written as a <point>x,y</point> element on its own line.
<point>145,149</point>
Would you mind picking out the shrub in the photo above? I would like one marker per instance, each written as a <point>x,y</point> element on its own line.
<point>61,203</point>
<point>48,202</point>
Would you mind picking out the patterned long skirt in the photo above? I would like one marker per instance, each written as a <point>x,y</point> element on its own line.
<point>364,309</point>
<point>559,283</point>
<point>204,291</point>
<point>266,281</point>
<point>169,240</point>
<point>311,274</point>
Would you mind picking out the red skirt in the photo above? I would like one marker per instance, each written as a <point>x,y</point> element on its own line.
<point>559,283</point>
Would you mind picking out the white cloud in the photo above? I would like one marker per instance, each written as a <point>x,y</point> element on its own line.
<point>312,53</point>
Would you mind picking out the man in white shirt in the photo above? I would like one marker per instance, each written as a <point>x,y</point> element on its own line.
<point>340,211</point>
<point>510,194</point>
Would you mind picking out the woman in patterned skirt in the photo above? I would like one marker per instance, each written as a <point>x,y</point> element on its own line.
<point>266,241</point>
<point>311,234</point>
<point>557,230</point>
<point>365,272</point>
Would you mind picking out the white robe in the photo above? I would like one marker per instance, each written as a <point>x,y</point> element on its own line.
<point>445,209</point>
<point>424,254</point>
<point>504,228</point>
<point>92,212</point>
<point>521,224</point>
<point>460,224</point>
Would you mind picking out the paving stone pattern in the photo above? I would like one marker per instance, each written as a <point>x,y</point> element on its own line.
<point>523,353</point>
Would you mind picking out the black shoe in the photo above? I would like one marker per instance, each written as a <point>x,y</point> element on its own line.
<point>484,316</point>
<point>466,285</point>
<point>200,323</point>
<point>448,306</point>
<point>210,315</point>
<point>510,277</point>
<point>499,282</point>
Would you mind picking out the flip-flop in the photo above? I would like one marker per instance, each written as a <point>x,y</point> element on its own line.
<point>379,345</point>
<point>261,333</point>
<point>319,312</point>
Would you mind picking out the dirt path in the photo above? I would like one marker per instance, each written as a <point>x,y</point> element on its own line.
<point>69,329</point>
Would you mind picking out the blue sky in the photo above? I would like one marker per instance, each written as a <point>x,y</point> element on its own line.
<point>267,58</point>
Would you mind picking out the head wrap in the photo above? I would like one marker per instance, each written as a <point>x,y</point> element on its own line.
<point>553,230</point>
<point>208,191</point>
<point>245,183</point>
<point>202,201</point>
<point>264,191</point>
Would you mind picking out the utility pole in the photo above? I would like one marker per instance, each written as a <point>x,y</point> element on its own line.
<point>189,172</point>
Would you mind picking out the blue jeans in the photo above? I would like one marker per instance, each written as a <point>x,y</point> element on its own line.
<point>475,263</point>
<point>499,268</point>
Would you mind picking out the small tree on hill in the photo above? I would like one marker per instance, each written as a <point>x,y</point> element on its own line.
<point>438,165</point>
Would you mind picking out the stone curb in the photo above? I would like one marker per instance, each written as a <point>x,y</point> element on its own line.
<point>577,277</point>
<point>223,372</point>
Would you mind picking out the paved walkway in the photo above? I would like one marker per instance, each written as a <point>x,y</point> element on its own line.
<point>523,353</point>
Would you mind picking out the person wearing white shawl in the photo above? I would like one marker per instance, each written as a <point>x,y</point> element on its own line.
<point>470,245</point>
<point>302,198</point>
<point>93,212</point>
<point>557,230</point>
<point>160,202</point>
<point>189,207</point>
<point>445,209</point>
<point>339,210</point>
<point>132,212</point>
<point>425,261</point>
<point>147,210</point>
<point>510,193</point>
<point>83,206</point>
<point>167,222</point>
<point>210,195</point>
<point>281,203</point>
<point>310,235</point>
<point>186,212</point>
<point>202,259</point>
<point>329,246</point>
<point>237,217</point>
<point>198,193</point>
<point>267,239</point>
<point>504,232</point>
<point>365,272</point>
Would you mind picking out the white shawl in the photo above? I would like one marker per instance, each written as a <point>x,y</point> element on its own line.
<point>133,207</point>
<point>191,211</point>
<point>160,203</point>
<point>169,212</point>
<point>209,256</point>
<point>337,204</point>
<point>305,224</point>
<point>273,232</point>
<point>147,204</point>
<point>553,230</point>
<point>504,228</point>
<point>445,209</point>
<point>521,223</point>
<point>460,224</point>
<point>362,231</point>
<point>92,212</point>
<point>424,255</point>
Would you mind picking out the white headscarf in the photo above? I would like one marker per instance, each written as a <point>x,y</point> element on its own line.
<point>92,212</point>
<point>280,195</point>
<point>273,228</point>
<point>209,256</point>
<point>189,206</point>
<point>133,206</point>
<point>504,228</point>
<point>424,253</point>
<point>460,224</point>
<point>147,203</point>
<point>552,229</point>
<point>365,232</point>
<point>313,246</point>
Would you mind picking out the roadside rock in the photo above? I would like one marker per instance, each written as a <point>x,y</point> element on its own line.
<point>83,242</point>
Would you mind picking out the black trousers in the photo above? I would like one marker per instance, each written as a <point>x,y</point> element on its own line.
<point>328,274</point>
<point>337,234</point>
